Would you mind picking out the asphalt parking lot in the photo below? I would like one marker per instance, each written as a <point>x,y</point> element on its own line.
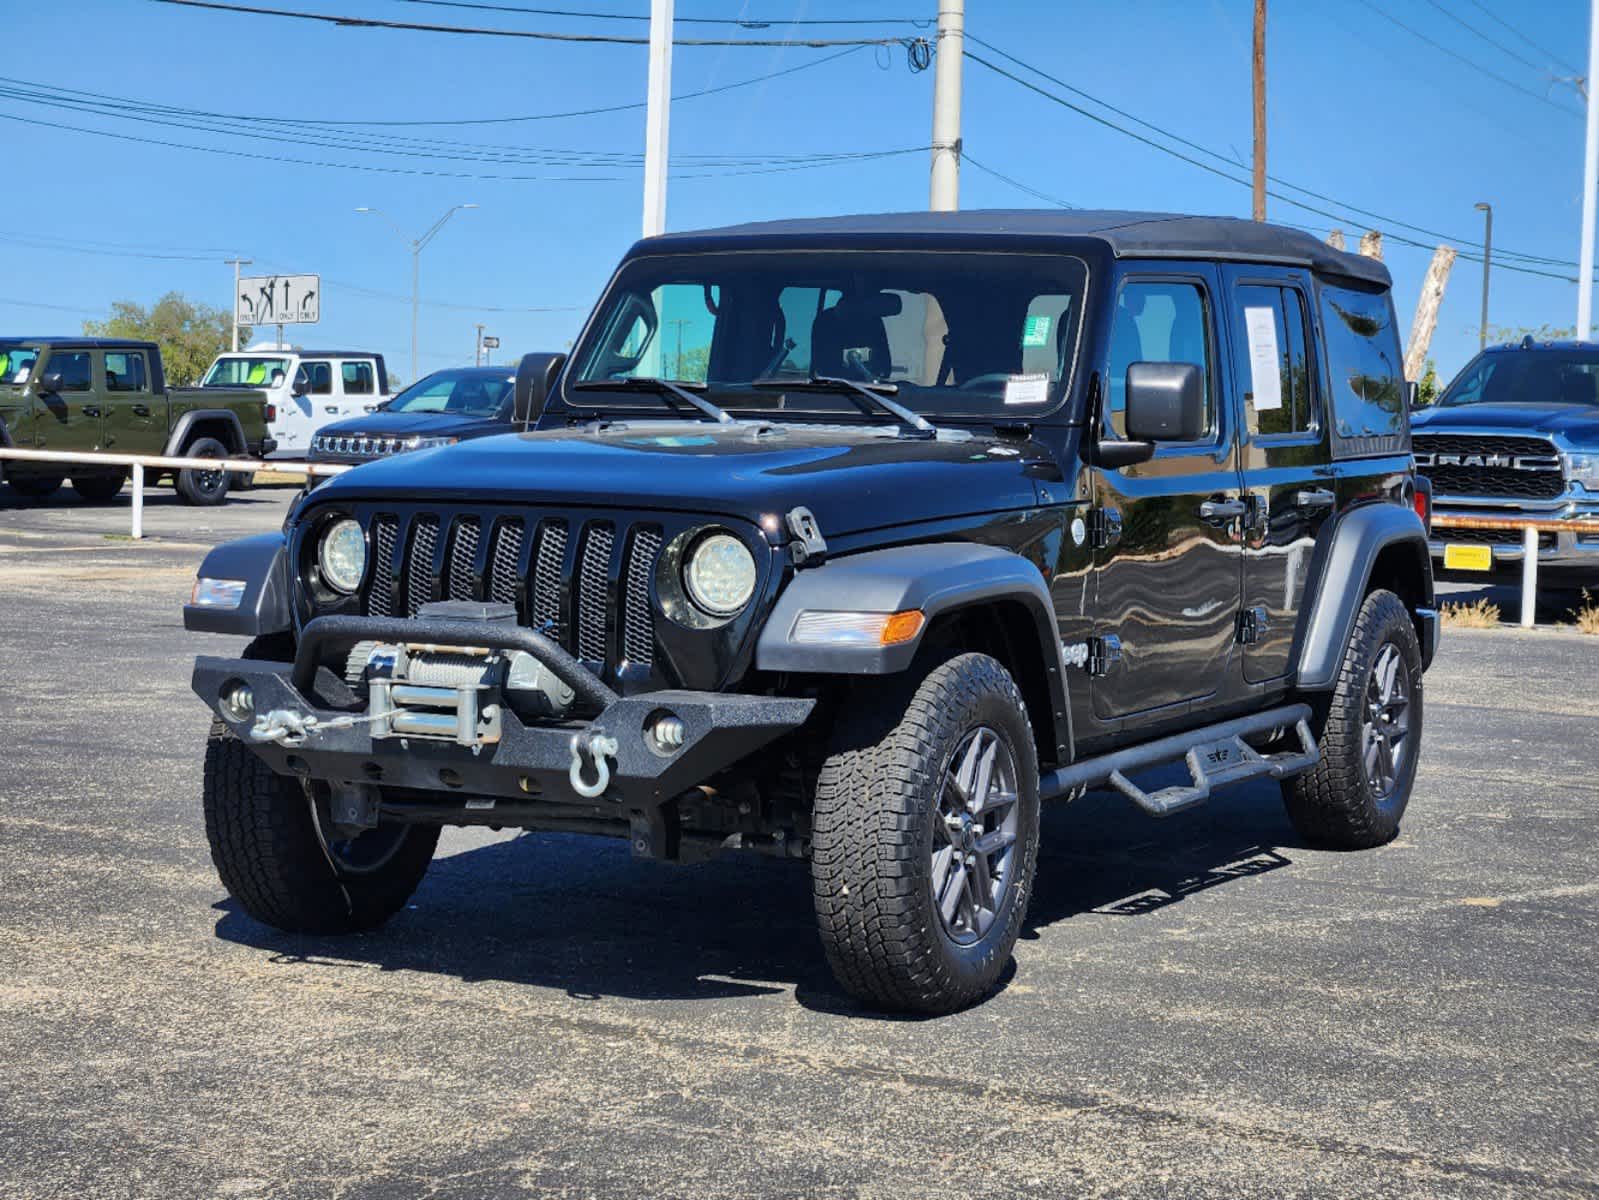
<point>1199,1008</point>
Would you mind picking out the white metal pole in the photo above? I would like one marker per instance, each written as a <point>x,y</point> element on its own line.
<point>1590,181</point>
<point>657,118</point>
<point>1529,575</point>
<point>138,501</point>
<point>237,263</point>
<point>945,191</point>
<point>416,301</point>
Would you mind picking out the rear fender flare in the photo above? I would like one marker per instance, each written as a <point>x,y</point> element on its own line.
<point>938,579</point>
<point>184,429</point>
<point>1340,577</point>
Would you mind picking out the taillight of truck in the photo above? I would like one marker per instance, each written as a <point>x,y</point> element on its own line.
<point>271,413</point>
<point>1423,505</point>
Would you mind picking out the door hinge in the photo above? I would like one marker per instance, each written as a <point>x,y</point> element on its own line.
<point>1103,654</point>
<point>1104,528</point>
<point>1252,625</point>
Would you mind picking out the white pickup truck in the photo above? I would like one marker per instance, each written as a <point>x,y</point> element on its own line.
<point>305,389</point>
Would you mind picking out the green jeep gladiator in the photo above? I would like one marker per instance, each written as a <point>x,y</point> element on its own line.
<point>102,395</point>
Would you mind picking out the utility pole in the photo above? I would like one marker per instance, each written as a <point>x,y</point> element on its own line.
<point>657,117</point>
<point>1260,110</point>
<point>1426,320</point>
<point>477,348</point>
<point>1487,211</point>
<point>415,245</point>
<point>236,263</point>
<point>1590,181</point>
<point>945,191</point>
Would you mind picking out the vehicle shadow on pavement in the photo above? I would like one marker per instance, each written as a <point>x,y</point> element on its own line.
<point>581,915</point>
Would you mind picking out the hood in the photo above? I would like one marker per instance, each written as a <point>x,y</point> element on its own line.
<point>1578,422</point>
<point>851,479</point>
<point>404,424</point>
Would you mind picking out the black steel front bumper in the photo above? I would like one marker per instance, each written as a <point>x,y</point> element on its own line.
<point>530,761</point>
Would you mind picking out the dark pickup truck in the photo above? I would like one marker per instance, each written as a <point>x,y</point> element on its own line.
<point>101,395</point>
<point>852,541</point>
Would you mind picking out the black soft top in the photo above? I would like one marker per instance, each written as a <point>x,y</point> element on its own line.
<point>1122,234</point>
<point>78,342</point>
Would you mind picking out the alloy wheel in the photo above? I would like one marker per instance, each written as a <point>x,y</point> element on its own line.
<point>1385,734</point>
<point>974,836</point>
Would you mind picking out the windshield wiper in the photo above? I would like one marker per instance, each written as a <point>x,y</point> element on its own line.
<point>660,387</point>
<point>870,396</point>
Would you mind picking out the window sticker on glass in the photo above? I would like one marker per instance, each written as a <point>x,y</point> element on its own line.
<point>1035,332</point>
<point>1027,389</point>
<point>1265,365</point>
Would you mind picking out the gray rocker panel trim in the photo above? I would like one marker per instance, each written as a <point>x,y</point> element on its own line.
<point>199,416</point>
<point>261,562</point>
<point>1340,586</point>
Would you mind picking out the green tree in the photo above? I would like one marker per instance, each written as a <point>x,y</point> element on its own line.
<point>1540,333</point>
<point>1428,387</point>
<point>190,335</point>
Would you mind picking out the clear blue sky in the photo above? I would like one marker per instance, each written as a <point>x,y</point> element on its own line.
<point>1361,109</point>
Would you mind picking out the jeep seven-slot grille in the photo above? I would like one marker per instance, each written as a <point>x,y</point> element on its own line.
<point>1532,471</point>
<point>586,583</point>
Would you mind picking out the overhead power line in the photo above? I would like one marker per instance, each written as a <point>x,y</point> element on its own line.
<point>1015,183</point>
<point>1384,219</point>
<point>548,35</point>
<point>1458,57</point>
<point>1492,41</point>
<point>1504,24</point>
<point>741,22</point>
<point>1204,166</point>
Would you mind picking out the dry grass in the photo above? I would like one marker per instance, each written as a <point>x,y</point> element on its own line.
<point>1586,617</point>
<point>1481,615</point>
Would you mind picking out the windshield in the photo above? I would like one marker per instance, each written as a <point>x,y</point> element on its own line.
<point>959,333</point>
<point>1528,377</point>
<point>246,372</point>
<point>16,363</point>
<point>467,393</point>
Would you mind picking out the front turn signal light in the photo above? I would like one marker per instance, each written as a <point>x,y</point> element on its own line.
<point>818,628</point>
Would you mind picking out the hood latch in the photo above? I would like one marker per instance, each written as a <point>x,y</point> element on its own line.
<point>809,547</point>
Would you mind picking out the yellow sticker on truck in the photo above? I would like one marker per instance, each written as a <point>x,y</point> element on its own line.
<point>1468,558</point>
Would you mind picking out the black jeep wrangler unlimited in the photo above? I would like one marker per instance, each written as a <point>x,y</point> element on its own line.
<point>853,540</point>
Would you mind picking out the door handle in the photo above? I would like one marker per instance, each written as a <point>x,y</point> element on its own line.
<point>1219,512</point>
<point>90,411</point>
<point>331,409</point>
<point>1315,498</point>
<point>141,410</point>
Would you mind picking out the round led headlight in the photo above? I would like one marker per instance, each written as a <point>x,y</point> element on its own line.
<point>342,556</point>
<point>720,575</point>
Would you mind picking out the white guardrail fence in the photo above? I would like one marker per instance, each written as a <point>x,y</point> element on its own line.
<point>139,463</point>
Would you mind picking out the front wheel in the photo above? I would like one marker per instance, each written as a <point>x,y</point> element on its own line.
<point>1355,796</point>
<point>201,486</point>
<point>925,837</point>
<point>278,855</point>
<point>98,489</point>
<point>34,487</point>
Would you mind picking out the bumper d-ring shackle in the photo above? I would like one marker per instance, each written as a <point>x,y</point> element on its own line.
<point>599,747</point>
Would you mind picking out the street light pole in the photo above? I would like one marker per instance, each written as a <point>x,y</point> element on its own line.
<point>1487,211</point>
<point>416,245</point>
<point>657,117</point>
<point>1590,181</point>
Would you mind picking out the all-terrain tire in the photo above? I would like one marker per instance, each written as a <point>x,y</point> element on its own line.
<point>269,856</point>
<point>1335,804</point>
<point>205,488</point>
<point>877,797</point>
<point>34,487</point>
<point>97,489</point>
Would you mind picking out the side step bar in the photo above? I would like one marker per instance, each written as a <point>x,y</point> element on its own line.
<point>1216,756</point>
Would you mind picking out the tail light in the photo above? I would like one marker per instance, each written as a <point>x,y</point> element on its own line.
<point>1422,501</point>
<point>271,413</point>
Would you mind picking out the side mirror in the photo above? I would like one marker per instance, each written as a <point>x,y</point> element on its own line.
<point>535,380</point>
<point>1412,395</point>
<point>52,382</point>
<point>1165,402</point>
<point>301,386</point>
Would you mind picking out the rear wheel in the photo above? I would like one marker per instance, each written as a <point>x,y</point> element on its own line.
<point>200,486</point>
<point>34,487</point>
<point>1355,796</point>
<point>279,855</point>
<point>925,837</point>
<point>97,489</point>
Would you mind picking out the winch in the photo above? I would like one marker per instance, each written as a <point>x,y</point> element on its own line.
<point>453,693</point>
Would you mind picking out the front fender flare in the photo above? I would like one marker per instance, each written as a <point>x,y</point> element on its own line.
<point>262,563</point>
<point>936,578</point>
<point>1339,583</point>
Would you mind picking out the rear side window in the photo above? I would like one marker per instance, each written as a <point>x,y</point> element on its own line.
<point>1365,372</point>
<point>1283,402</point>
<point>124,372</point>
<point>358,379</point>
